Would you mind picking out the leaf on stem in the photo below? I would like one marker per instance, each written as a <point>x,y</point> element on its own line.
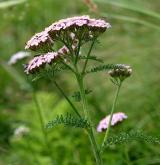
<point>69,121</point>
<point>104,67</point>
<point>126,137</point>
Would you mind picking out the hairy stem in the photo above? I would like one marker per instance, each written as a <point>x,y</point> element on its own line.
<point>111,115</point>
<point>87,115</point>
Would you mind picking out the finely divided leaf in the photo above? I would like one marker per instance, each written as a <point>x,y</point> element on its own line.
<point>68,120</point>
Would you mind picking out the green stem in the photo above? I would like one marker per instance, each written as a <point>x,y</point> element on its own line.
<point>87,115</point>
<point>65,96</point>
<point>111,115</point>
<point>89,52</point>
<point>38,108</point>
<point>78,50</point>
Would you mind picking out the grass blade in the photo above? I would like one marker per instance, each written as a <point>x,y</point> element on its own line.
<point>131,6</point>
<point>131,19</point>
<point>4,5</point>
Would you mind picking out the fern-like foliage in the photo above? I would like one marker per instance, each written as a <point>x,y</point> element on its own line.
<point>94,58</point>
<point>104,67</point>
<point>77,96</point>
<point>68,120</point>
<point>125,137</point>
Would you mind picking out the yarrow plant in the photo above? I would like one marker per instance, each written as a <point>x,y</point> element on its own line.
<point>72,34</point>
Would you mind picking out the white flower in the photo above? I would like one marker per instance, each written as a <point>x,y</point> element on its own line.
<point>18,56</point>
<point>21,131</point>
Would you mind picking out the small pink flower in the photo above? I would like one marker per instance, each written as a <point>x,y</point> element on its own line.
<point>39,61</point>
<point>116,118</point>
<point>63,50</point>
<point>39,40</point>
<point>98,23</point>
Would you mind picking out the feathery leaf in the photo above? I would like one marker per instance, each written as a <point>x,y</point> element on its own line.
<point>69,121</point>
<point>125,137</point>
<point>104,68</point>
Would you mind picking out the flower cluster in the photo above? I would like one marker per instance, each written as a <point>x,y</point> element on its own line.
<point>122,72</point>
<point>70,30</point>
<point>40,61</point>
<point>39,40</point>
<point>55,31</point>
<point>116,118</point>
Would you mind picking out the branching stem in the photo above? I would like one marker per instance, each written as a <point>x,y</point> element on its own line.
<point>80,80</point>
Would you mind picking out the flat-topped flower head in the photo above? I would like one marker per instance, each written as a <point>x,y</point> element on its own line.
<point>76,25</point>
<point>116,118</point>
<point>39,40</point>
<point>84,28</point>
<point>40,61</point>
<point>77,22</point>
<point>17,57</point>
<point>122,72</point>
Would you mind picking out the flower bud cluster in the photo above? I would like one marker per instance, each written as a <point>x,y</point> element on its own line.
<point>122,72</point>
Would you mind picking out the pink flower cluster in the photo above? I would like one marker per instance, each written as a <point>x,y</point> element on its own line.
<point>77,22</point>
<point>116,118</point>
<point>39,61</point>
<point>39,40</point>
<point>71,25</point>
<point>70,28</point>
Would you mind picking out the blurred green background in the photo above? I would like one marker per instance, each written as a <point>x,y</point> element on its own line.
<point>133,39</point>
